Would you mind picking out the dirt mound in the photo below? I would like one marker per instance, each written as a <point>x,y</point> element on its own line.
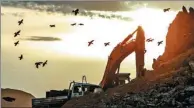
<point>22,99</point>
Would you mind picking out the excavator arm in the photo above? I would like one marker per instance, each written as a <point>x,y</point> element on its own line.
<point>119,53</point>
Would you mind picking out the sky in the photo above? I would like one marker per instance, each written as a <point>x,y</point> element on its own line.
<point>65,46</point>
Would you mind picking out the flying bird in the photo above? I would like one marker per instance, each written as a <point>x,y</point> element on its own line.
<point>107,43</point>
<point>16,43</point>
<point>167,9</point>
<point>44,63</point>
<point>20,57</point>
<point>20,22</point>
<point>52,25</point>
<point>9,99</point>
<point>90,42</point>
<point>73,24</point>
<point>17,33</point>
<point>81,24</point>
<point>37,64</point>
<point>160,42</point>
<point>149,40</point>
<point>76,11</point>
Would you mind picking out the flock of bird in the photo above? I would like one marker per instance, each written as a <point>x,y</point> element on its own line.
<point>76,11</point>
<point>17,42</point>
<point>108,43</point>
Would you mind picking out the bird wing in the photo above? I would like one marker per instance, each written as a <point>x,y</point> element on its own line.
<point>89,43</point>
<point>36,65</point>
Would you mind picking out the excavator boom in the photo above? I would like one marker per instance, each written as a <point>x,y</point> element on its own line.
<point>120,52</point>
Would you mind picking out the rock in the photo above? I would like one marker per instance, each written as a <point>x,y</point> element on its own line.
<point>191,100</point>
<point>184,9</point>
<point>191,106</point>
<point>191,10</point>
<point>173,102</point>
<point>189,89</point>
<point>191,64</point>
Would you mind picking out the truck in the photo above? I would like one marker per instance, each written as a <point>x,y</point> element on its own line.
<point>57,98</point>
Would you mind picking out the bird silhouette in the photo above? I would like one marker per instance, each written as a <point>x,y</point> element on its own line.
<point>160,42</point>
<point>90,42</point>
<point>167,9</point>
<point>17,33</point>
<point>76,11</point>
<point>149,40</point>
<point>20,22</point>
<point>73,24</point>
<point>20,57</point>
<point>16,43</point>
<point>44,63</point>
<point>52,25</point>
<point>9,99</point>
<point>107,43</point>
<point>37,64</point>
<point>81,24</point>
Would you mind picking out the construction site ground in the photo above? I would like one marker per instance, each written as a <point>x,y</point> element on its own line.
<point>137,85</point>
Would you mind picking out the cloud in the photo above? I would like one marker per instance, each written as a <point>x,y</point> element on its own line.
<point>41,38</point>
<point>66,7</point>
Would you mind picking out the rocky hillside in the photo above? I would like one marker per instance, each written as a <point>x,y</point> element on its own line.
<point>170,84</point>
<point>22,99</point>
<point>180,36</point>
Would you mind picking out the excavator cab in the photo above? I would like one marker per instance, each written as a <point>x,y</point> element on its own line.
<point>122,78</point>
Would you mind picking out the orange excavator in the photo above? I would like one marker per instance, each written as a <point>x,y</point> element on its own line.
<point>119,53</point>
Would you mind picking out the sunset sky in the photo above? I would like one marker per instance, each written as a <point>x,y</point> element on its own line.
<point>65,46</point>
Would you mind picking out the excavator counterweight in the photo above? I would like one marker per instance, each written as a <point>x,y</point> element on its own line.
<point>119,53</point>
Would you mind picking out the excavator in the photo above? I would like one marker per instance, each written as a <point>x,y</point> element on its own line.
<point>119,53</point>
<point>55,99</point>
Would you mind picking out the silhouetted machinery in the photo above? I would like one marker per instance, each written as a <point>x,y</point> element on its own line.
<point>56,99</point>
<point>119,53</point>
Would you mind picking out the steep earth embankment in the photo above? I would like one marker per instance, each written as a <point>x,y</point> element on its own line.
<point>22,99</point>
<point>180,37</point>
<point>168,85</point>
